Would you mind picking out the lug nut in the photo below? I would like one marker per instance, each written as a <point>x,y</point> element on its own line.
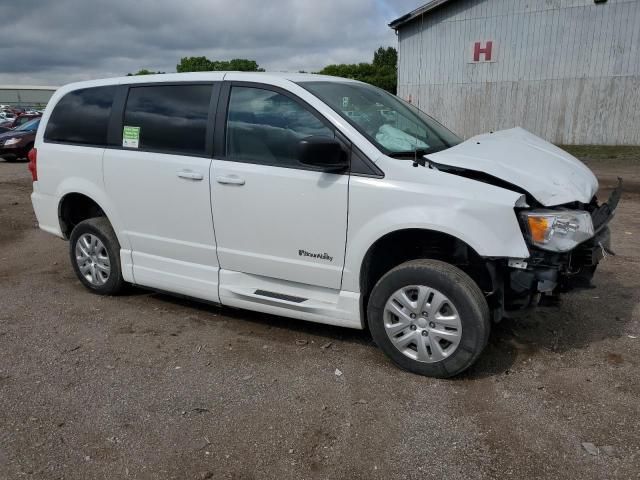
<point>425,314</point>
<point>413,315</point>
<point>413,327</point>
<point>425,333</point>
<point>432,325</point>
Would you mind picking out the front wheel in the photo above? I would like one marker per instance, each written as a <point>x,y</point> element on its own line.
<point>429,317</point>
<point>95,255</point>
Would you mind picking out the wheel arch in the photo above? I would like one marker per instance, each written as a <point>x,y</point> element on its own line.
<point>75,207</point>
<point>93,191</point>
<point>402,245</point>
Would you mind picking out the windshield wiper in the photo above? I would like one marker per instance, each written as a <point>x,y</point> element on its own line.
<point>417,153</point>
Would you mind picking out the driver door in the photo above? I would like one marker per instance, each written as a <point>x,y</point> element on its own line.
<point>274,217</point>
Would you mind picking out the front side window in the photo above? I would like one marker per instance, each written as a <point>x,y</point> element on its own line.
<point>82,117</point>
<point>266,127</point>
<point>396,127</point>
<point>169,118</point>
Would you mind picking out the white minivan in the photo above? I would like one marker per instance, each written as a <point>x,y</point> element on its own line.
<point>317,198</point>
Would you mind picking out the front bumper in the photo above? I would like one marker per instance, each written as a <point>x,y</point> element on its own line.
<point>13,150</point>
<point>550,273</point>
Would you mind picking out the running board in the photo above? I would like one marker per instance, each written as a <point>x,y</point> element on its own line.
<point>275,298</point>
<point>295,300</point>
<point>280,296</point>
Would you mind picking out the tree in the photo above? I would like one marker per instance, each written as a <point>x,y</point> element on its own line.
<point>385,57</point>
<point>242,65</point>
<point>203,64</point>
<point>143,71</point>
<point>194,64</point>
<point>382,72</point>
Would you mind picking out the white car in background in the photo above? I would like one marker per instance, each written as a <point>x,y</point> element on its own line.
<point>316,198</point>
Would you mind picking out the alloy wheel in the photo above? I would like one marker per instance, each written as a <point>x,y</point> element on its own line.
<point>422,323</point>
<point>93,259</point>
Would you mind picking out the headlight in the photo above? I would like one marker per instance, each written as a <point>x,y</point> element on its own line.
<point>12,141</point>
<point>558,231</point>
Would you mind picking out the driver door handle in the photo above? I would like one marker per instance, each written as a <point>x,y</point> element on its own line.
<point>230,180</point>
<point>190,175</point>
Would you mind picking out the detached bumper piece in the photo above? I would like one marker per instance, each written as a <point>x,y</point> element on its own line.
<point>602,215</point>
<point>549,273</point>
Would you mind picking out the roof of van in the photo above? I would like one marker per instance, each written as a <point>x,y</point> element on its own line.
<point>207,76</point>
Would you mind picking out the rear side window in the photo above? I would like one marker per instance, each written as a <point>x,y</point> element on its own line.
<point>82,117</point>
<point>170,118</point>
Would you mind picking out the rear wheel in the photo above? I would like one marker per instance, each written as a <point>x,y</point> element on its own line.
<point>429,317</point>
<point>95,255</point>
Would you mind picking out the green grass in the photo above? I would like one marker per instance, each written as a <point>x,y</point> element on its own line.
<point>604,152</point>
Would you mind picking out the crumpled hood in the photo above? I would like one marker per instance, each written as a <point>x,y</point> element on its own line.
<point>549,174</point>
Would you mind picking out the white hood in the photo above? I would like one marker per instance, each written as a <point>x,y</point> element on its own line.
<point>549,174</point>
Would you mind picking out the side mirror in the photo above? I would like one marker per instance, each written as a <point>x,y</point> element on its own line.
<point>323,152</point>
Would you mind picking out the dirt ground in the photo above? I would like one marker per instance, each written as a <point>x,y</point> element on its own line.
<point>148,386</point>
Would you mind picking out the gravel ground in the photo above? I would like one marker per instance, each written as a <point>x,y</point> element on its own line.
<point>148,386</point>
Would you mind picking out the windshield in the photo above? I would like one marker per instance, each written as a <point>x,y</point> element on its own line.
<point>396,127</point>
<point>30,125</point>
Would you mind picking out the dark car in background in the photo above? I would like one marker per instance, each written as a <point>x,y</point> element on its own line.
<point>15,144</point>
<point>19,120</point>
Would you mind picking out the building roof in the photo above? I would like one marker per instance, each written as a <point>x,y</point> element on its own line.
<point>427,7</point>
<point>26,87</point>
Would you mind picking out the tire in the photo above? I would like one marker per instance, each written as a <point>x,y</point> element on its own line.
<point>436,315</point>
<point>20,156</point>
<point>92,256</point>
<point>25,155</point>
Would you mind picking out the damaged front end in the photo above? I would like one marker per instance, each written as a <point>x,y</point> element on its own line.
<point>565,229</point>
<point>566,244</point>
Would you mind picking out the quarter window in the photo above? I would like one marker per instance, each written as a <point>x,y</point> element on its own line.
<point>82,117</point>
<point>266,127</point>
<point>170,118</point>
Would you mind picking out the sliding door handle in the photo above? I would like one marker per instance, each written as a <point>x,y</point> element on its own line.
<point>190,175</point>
<point>230,180</point>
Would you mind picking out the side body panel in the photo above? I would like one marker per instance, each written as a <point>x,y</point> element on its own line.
<point>66,169</point>
<point>294,300</point>
<point>279,218</point>
<point>166,218</point>
<point>281,230</point>
<point>418,197</point>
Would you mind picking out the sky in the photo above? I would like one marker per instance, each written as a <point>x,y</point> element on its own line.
<point>53,42</point>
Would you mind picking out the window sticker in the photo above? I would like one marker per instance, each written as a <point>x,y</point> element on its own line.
<point>131,137</point>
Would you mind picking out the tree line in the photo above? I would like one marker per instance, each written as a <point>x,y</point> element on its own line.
<point>381,72</point>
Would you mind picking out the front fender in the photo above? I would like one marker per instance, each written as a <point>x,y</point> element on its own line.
<point>480,215</point>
